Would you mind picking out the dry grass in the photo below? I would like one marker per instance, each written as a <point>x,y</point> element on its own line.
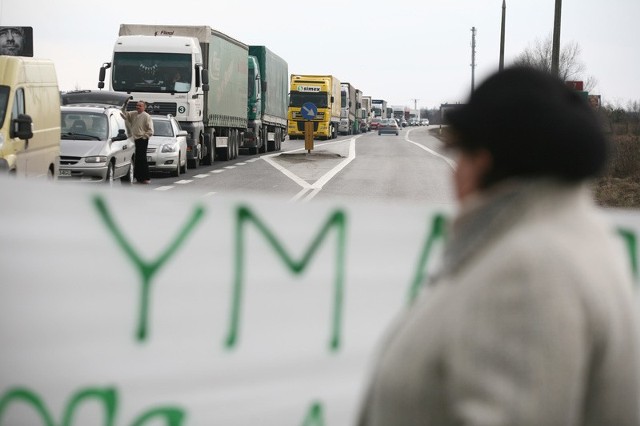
<point>619,187</point>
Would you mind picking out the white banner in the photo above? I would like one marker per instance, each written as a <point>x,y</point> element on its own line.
<point>125,307</point>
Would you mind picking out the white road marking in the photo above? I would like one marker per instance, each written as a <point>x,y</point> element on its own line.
<point>230,167</point>
<point>449,161</point>
<point>309,191</point>
<point>201,176</point>
<point>164,188</point>
<point>216,171</point>
<point>184,181</point>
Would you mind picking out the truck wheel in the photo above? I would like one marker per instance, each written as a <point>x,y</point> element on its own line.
<point>271,145</point>
<point>195,162</point>
<point>263,139</point>
<point>208,145</point>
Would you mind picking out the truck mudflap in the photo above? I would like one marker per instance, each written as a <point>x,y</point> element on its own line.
<point>194,142</point>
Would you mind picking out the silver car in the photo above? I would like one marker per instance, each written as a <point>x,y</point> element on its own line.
<point>94,145</point>
<point>167,149</point>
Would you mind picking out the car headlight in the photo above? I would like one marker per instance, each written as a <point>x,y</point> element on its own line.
<point>169,148</point>
<point>96,159</point>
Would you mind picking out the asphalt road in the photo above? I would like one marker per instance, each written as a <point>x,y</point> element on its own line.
<point>412,166</point>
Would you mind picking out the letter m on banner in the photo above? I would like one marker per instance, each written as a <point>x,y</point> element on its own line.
<point>244,217</point>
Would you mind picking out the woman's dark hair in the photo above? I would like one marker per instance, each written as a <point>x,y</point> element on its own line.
<point>533,125</point>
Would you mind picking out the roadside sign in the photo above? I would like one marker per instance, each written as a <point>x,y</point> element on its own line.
<point>308,135</point>
<point>309,111</point>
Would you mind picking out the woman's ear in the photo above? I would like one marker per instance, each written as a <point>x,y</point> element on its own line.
<point>471,170</point>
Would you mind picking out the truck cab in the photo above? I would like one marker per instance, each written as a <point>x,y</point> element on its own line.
<point>166,73</point>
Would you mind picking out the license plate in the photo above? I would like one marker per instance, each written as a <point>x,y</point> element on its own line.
<point>64,172</point>
<point>148,158</point>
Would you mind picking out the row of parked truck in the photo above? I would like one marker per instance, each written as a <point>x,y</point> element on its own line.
<point>227,96</point>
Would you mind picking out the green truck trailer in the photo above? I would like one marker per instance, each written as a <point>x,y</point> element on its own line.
<point>267,101</point>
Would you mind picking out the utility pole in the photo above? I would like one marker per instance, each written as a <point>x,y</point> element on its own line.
<point>415,106</point>
<point>555,53</point>
<point>473,58</point>
<point>504,14</point>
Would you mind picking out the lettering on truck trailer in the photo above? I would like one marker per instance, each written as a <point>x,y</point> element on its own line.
<point>308,88</point>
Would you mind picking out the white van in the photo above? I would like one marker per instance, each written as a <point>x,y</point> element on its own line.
<point>29,117</point>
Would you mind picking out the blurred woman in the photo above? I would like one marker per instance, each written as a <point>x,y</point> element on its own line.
<point>531,320</point>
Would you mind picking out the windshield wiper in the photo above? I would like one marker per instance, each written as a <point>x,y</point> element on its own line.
<point>71,135</point>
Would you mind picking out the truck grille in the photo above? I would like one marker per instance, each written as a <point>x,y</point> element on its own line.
<point>301,126</point>
<point>296,115</point>
<point>157,108</point>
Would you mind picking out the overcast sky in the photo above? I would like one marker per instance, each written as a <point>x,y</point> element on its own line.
<point>398,51</point>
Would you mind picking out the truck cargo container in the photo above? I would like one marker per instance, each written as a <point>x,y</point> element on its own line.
<point>348,109</point>
<point>195,73</point>
<point>365,114</point>
<point>268,85</point>
<point>324,92</point>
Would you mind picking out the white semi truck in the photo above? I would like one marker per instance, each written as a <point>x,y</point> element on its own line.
<point>195,73</point>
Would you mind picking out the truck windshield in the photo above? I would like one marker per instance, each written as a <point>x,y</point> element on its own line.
<point>151,72</point>
<point>4,98</point>
<point>297,99</point>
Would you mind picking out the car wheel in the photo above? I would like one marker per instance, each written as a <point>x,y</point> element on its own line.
<point>109,177</point>
<point>128,178</point>
<point>176,172</point>
<point>183,168</point>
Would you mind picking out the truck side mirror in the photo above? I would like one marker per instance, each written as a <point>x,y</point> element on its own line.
<point>204,76</point>
<point>102,74</point>
<point>22,127</point>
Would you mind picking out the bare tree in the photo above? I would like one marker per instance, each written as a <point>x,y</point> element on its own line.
<point>538,55</point>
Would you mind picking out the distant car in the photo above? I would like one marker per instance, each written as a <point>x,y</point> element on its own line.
<point>403,123</point>
<point>364,126</point>
<point>424,122</point>
<point>94,145</point>
<point>167,149</point>
<point>375,122</point>
<point>388,125</point>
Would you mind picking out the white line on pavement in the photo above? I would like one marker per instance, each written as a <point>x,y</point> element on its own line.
<point>201,176</point>
<point>311,190</point>
<point>164,188</point>
<point>184,181</point>
<point>449,161</point>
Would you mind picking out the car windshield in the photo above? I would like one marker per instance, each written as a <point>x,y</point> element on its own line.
<point>83,125</point>
<point>162,128</point>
